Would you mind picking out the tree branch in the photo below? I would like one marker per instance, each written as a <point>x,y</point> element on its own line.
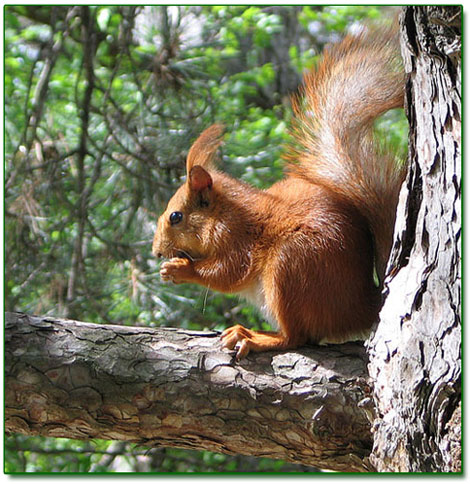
<point>179,388</point>
<point>89,47</point>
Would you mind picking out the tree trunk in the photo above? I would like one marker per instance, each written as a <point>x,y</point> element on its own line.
<point>173,387</point>
<point>415,353</point>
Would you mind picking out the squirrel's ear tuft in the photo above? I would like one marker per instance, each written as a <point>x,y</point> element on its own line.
<point>199,179</point>
<point>203,150</point>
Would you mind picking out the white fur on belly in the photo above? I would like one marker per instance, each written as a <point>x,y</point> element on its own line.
<point>255,295</point>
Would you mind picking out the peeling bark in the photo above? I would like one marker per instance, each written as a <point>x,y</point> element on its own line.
<point>415,353</point>
<point>174,387</point>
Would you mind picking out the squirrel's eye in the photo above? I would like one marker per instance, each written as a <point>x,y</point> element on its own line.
<point>175,218</point>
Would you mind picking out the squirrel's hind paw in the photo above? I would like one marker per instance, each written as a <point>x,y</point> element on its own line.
<point>246,340</point>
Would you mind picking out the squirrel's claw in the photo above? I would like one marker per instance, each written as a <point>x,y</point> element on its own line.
<point>237,336</point>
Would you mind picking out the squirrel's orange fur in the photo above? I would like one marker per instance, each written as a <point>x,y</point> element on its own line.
<point>303,250</point>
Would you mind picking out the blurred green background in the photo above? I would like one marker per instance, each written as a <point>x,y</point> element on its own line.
<point>101,105</point>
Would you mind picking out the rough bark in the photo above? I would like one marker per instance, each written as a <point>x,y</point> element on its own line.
<point>415,353</point>
<point>173,387</point>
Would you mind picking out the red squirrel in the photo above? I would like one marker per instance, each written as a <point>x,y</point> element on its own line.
<point>303,250</point>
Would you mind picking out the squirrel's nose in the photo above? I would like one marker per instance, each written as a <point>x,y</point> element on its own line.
<point>156,246</point>
<point>156,252</point>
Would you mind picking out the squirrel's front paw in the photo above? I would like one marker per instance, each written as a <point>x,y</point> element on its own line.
<point>177,270</point>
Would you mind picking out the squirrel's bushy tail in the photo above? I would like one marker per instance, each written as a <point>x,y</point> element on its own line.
<point>332,137</point>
